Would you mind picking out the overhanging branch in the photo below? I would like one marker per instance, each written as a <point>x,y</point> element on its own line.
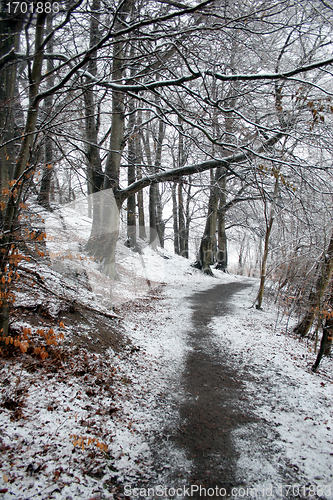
<point>176,82</point>
<point>174,174</point>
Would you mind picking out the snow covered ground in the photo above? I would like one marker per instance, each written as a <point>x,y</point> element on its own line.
<point>87,431</point>
<point>283,391</point>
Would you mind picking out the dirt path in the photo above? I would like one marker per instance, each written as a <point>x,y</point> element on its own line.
<point>229,419</point>
<point>214,395</point>
<point>210,402</point>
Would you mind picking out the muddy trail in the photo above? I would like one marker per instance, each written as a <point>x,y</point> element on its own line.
<point>212,441</point>
<point>215,395</point>
<point>212,406</point>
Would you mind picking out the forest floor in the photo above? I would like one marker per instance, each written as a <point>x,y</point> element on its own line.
<point>244,416</point>
<point>181,390</point>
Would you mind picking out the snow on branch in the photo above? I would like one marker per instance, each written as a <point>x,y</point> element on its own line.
<point>176,173</point>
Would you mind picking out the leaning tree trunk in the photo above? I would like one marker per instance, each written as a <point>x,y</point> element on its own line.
<point>325,344</point>
<point>105,228</point>
<point>315,301</point>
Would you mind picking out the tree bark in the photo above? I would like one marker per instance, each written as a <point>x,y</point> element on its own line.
<point>158,202</point>
<point>45,187</point>
<point>21,166</point>
<point>175,218</point>
<point>222,253</point>
<point>95,176</point>
<point>10,29</point>
<point>131,215</point>
<point>105,228</point>
<point>325,345</point>
<point>315,299</point>
<point>269,226</point>
<point>208,242</point>
<point>111,178</point>
<point>181,210</point>
<point>155,209</point>
<point>187,219</point>
<point>139,156</point>
<point>181,219</point>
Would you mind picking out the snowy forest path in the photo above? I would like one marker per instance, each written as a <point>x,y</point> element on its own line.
<point>232,412</point>
<point>212,410</point>
<point>209,398</point>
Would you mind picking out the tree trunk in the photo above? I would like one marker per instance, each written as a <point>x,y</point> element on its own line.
<point>155,208</point>
<point>132,160</point>
<point>45,187</point>
<point>131,216</point>
<point>240,268</point>
<point>175,218</point>
<point>22,164</point>
<point>325,344</point>
<point>222,254</point>
<point>181,209</point>
<point>105,228</point>
<point>208,242</point>
<point>139,156</point>
<point>95,176</point>
<point>269,226</point>
<point>217,193</point>
<point>9,39</point>
<point>315,300</point>
<point>187,219</point>
<point>152,216</point>
<point>152,193</point>
<point>142,224</point>
<point>111,178</point>
<point>181,219</point>
<point>158,202</point>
